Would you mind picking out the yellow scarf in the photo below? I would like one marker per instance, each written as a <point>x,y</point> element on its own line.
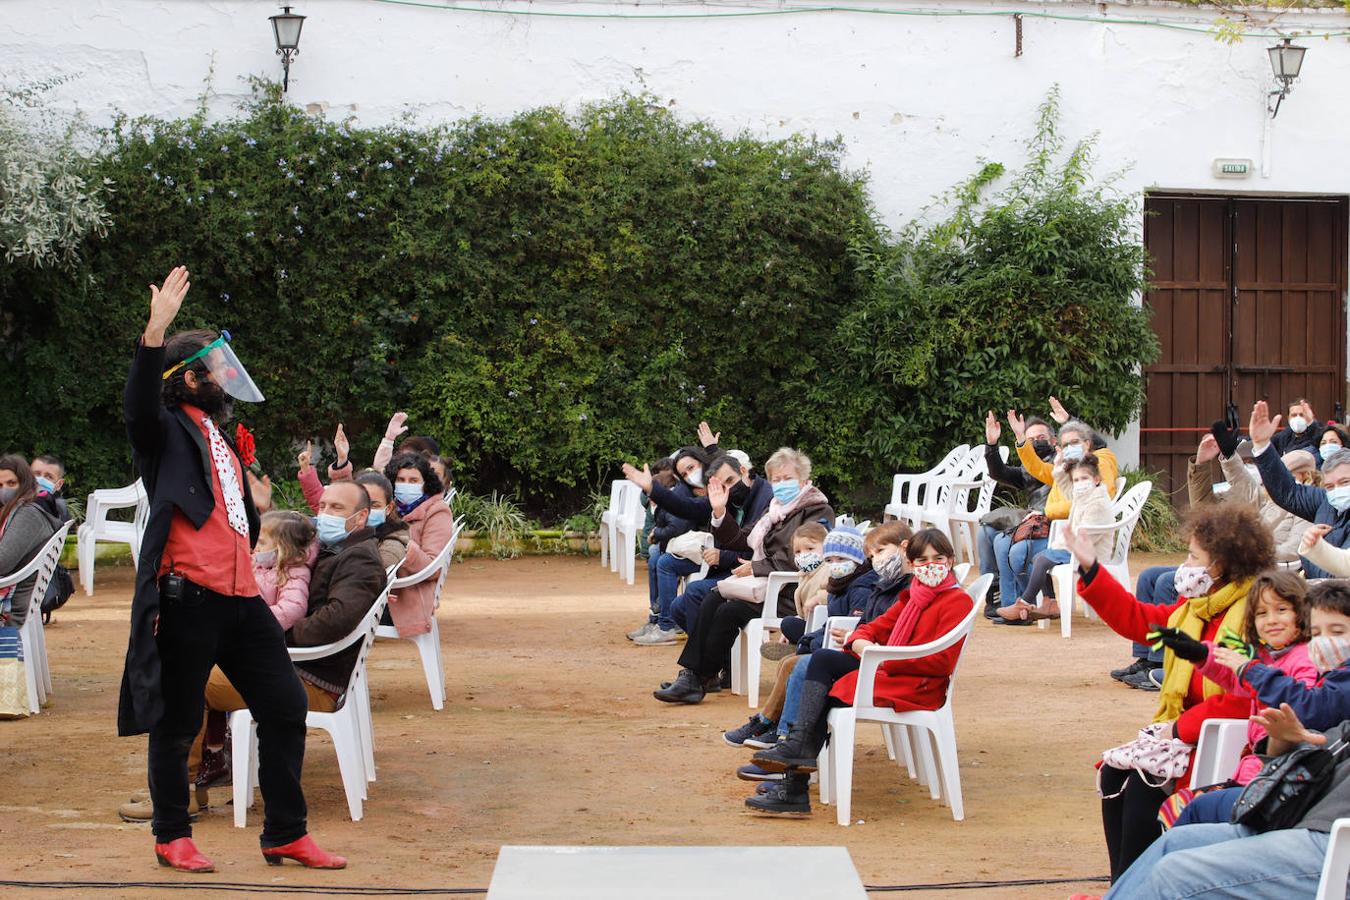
<point>1230,601</point>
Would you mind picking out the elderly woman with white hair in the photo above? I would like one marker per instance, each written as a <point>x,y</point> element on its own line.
<point>737,600</point>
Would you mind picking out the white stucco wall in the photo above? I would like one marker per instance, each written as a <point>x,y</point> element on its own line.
<point>917,98</point>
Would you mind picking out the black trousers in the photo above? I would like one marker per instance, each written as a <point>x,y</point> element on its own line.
<point>1129,820</point>
<point>719,621</point>
<point>242,636</point>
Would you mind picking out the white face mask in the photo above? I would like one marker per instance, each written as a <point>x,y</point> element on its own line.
<point>808,561</point>
<point>1328,651</point>
<point>1192,581</point>
<point>1083,488</point>
<point>842,569</point>
<point>1329,447</point>
<point>1298,424</point>
<point>695,478</point>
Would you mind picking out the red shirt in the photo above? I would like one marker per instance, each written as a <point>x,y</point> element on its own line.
<point>214,556</point>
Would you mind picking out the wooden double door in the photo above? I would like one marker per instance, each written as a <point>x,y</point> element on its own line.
<point>1248,303</point>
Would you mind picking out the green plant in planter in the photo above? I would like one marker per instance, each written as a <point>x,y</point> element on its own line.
<point>498,518</point>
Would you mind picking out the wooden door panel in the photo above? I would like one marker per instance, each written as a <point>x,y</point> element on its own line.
<point>1248,302</point>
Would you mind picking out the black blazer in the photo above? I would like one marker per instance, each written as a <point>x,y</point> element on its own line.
<point>174,463</point>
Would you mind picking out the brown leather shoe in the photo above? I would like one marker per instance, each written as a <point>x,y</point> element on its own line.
<point>140,811</point>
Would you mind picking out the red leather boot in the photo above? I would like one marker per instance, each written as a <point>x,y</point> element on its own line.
<point>305,852</point>
<point>184,856</point>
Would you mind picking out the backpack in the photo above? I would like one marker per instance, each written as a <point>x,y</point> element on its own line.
<point>1287,787</point>
<point>59,590</point>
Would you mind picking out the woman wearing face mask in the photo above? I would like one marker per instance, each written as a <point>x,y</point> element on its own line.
<point>933,605</point>
<point>1334,438</point>
<point>24,531</point>
<point>419,502</point>
<point>796,501</point>
<point>1229,547</point>
<point>390,531</point>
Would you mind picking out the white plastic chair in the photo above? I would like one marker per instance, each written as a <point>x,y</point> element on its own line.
<point>627,527</point>
<point>32,635</point>
<point>745,658</point>
<point>1219,751</point>
<point>936,756</point>
<point>429,645</point>
<point>1336,869</point>
<point>910,490</point>
<point>966,503</point>
<point>937,500</point>
<point>609,535</point>
<point>348,724</point>
<point>98,527</point>
<point>1065,579</point>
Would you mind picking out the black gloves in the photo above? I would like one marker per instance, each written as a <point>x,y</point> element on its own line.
<point>1183,645</point>
<point>1227,435</point>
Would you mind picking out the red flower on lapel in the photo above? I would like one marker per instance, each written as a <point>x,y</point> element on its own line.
<point>244,443</point>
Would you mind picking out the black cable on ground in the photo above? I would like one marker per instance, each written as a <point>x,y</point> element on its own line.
<point>359,891</point>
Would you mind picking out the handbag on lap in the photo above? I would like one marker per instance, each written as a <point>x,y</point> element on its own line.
<point>1287,787</point>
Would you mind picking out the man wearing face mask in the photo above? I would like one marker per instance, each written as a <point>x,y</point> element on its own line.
<point>1304,431</point>
<point>196,603</point>
<point>998,527</point>
<point>1326,505</point>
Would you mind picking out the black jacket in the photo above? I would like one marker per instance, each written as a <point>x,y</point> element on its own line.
<point>666,524</point>
<point>175,464</point>
<point>1016,477</point>
<point>347,579</point>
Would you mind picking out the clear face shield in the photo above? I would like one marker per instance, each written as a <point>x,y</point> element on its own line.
<point>225,368</point>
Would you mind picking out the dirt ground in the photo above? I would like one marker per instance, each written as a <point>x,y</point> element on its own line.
<point>550,735</point>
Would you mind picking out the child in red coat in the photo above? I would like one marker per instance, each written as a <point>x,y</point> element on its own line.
<point>932,607</point>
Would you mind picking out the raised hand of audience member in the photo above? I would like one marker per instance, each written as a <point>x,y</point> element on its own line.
<point>1018,425</point>
<point>717,498</point>
<point>1312,536</point>
<point>706,436</point>
<point>341,446</point>
<point>396,426</point>
<point>1058,412</point>
<point>1208,450</point>
<point>1262,427</point>
<point>306,457</point>
<point>1080,545</point>
<point>1228,657</point>
<point>641,477</point>
<point>992,430</point>
<point>1183,645</point>
<point>1285,730</point>
<point>1226,435</point>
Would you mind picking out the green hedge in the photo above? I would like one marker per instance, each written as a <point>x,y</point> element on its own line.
<point>552,293</point>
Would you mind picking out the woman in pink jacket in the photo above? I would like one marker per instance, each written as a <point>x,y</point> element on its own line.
<point>417,496</point>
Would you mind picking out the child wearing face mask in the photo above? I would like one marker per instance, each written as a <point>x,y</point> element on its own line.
<point>1080,479</point>
<point>1324,699</point>
<point>1278,627</point>
<point>932,606</point>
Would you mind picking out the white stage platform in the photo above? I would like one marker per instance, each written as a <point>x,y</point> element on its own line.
<point>674,873</point>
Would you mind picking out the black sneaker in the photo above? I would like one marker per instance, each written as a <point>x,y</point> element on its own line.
<point>684,689</point>
<point>1134,668</point>
<point>753,772</point>
<point>766,738</point>
<point>737,737</point>
<point>991,608</point>
<point>791,797</point>
<point>1142,681</point>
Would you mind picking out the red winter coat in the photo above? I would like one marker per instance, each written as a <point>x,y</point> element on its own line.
<point>1134,620</point>
<point>906,684</point>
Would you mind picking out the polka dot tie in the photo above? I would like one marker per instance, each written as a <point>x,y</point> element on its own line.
<point>229,480</point>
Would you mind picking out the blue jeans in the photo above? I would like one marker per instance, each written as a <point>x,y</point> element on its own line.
<point>1013,577</point>
<point>1154,586</point>
<point>664,579</point>
<point>792,698</point>
<point>1215,808</point>
<point>684,608</point>
<point>1214,861</point>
